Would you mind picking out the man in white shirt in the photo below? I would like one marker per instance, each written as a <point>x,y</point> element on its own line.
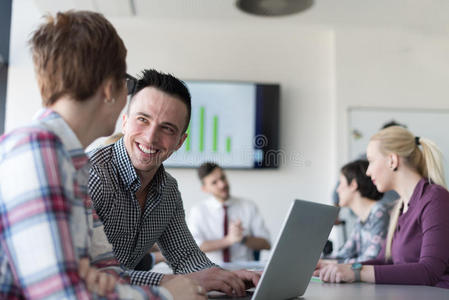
<point>226,228</point>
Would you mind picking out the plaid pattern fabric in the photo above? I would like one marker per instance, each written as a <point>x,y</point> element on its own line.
<point>45,225</point>
<point>113,184</point>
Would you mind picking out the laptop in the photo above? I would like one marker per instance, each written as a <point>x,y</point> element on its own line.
<point>296,252</point>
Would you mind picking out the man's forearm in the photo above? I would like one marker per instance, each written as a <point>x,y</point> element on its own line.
<point>257,243</point>
<point>158,257</point>
<point>144,277</point>
<point>214,245</point>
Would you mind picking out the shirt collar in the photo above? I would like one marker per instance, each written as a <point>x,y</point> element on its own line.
<point>418,191</point>
<point>128,173</point>
<point>52,121</point>
<point>372,212</point>
<point>214,202</point>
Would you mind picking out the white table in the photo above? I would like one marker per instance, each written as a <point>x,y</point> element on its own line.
<point>356,291</point>
<point>366,291</point>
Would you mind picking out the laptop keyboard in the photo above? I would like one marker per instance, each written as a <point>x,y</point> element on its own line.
<point>218,296</point>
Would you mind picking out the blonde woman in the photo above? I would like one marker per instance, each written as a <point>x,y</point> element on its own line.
<point>112,138</point>
<point>417,247</point>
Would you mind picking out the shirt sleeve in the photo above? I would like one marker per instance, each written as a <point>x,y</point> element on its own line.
<point>96,189</point>
<point>434,255</point>
<point>374,238</point>
<point>379,260</point>
<point>348,250</point>
<point>178,246</point>
<point>35,214</point>
<point>258,228</point>
<point>36,237</point>
<point>194,223</point>
<point>103,256</point>
<point>145,277</point>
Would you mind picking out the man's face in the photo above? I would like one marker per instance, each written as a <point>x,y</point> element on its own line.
<point>216,184</point>
<point>153,128</point>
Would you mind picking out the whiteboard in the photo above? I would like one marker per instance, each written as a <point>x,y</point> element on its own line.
<point>431,124</point>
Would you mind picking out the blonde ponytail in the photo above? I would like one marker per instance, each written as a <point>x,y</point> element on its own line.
<point>433,161</point>
<point>428,162</point>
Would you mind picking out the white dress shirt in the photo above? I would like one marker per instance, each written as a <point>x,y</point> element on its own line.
<point>206,223</point>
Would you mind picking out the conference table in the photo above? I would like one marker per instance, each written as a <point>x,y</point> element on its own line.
<point>356,291</point>
<point>363,291</point>
<point>366,291</point>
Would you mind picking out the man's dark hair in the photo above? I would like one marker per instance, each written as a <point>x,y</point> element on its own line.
<point>206,168</point>
<point>393,123</point>
<point>356,170</point>
<point>166,83</point>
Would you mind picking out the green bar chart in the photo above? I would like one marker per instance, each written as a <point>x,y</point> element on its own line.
<point>187,142</point>
<point>221,128</point>
<point>202,135</point>
<point>228,144</point>
<point>215,135</point>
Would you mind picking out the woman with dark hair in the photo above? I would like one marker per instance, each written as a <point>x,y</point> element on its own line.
<point>357,192</point>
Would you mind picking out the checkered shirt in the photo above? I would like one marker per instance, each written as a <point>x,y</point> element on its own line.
<point>45,223</point>
<point>113,185</point>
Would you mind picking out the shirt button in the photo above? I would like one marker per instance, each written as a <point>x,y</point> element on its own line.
<point>399,227</point>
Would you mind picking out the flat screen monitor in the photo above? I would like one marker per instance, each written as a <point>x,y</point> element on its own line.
<point>234,124</point>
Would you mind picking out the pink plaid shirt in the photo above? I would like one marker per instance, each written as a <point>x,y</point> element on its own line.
<point>46,216</point>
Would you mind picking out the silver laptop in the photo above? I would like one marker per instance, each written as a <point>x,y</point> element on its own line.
<point>296,252</point>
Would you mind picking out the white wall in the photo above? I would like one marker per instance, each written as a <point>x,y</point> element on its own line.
<point>22,98</point>
<point>300,59</point>
<point>322,72</point>
<point>391,68</point>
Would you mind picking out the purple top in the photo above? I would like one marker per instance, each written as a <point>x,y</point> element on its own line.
<point>420,249</point>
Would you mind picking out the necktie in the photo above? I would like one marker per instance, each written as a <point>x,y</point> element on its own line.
<point>226,254</point>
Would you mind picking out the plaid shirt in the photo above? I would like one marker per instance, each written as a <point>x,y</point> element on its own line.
<point>367,237</point>
<point>45,222</point>
<point>113,185</point>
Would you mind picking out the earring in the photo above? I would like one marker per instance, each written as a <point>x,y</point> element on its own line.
<point>112,101</point>
<point>395,169</point>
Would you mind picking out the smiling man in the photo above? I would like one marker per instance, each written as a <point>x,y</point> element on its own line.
<point>139,202</point>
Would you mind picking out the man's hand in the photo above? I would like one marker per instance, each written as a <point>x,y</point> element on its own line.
<point>220,280</point>
<point>96,281</point>
<point>183,288</point>
<point>250,278</point>
<point>217,279</point>
<point>235,232</point>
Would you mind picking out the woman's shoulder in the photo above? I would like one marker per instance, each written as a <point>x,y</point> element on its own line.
<point>31,138</point>
<point>433,204</point>
<point>435,194</point>
<point>433,189</point>
<point>382,207</point>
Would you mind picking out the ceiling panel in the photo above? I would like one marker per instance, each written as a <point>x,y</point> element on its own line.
<point>428,16</point>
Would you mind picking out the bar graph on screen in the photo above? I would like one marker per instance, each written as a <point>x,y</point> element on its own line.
<point>201,133</point>
<point>225,119</point>
<point>222,125</point>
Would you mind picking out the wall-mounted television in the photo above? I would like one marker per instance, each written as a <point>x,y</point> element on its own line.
<point>235,124</point>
